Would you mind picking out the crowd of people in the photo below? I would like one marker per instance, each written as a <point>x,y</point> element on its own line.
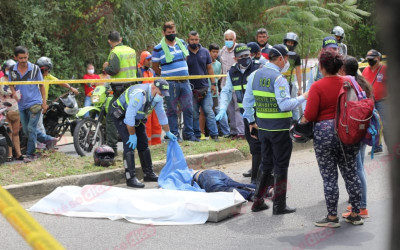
<point>258,100</point>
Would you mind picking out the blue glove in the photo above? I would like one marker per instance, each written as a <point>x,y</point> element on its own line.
<point>132,142</point>
<point>220,115</point>
<point>171,136</point>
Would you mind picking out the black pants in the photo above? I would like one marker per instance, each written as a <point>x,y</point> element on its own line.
<point>254,145</point>
<point>276,150</point>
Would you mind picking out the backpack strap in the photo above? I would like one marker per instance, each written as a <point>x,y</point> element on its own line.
<point>377,73</point>
<point>360,93</point>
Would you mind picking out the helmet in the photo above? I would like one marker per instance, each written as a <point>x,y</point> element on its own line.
<point>44,62</point>
<point>338,31</point>
<point>71,106</point>
<point>291,36</point>
<point>301,132</point>
<point>103,156</point>
<point>7,64</point>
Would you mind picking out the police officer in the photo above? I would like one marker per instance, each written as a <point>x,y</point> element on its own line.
<point>129,114</point>
<point>121,63</point>
<point>236,81</point>
<point>338,32</point>
<point>269,90</point>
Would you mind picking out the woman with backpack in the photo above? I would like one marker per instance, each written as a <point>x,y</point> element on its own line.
<point>329,151</point>
<point>350,67</point>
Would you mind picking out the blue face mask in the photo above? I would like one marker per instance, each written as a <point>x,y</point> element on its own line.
<point>229,44</point>
<point>157,98</point>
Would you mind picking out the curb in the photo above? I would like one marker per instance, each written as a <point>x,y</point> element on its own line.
<point>33,190</point>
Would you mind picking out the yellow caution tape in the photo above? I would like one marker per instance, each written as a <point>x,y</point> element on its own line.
<point>117,80</point>
<point>32,232</point>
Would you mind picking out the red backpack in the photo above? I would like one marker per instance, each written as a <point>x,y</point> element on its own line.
<point>354,112</point>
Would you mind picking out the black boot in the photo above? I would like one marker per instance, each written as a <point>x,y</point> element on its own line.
<point>247,174</point>
<point>130,174</point>
<point>264,180</point>
<point>279,198</point>
<point>147,166</point>
<point>255,165</point>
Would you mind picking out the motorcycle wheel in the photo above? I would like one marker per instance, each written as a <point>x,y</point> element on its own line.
<point>3,154</point>
<point>83,135</point>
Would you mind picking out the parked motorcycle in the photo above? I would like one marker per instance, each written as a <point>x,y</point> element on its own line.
<point>5,140</point>
<point>90,132</point>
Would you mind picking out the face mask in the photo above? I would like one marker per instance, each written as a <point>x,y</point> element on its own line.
<point>7,72</point>
<point>90,71</point>
<point>229,44</point>
<point>262,45</point>
<point>286,67</point>
<point>244,62</point>
<point>157,98</point>
<point>170,37</point>
<point>193,46</point>
<point>290,47</point>
<point>372,62</point>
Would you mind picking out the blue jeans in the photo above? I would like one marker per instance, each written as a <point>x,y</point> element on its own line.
<point>207,105</point>
<point>180,92</point>
<point>361,175</point>
<point>223,123</point>
<point>29,123</point>
<point>381,108</point>
<point>88,102</point>
<point>217,181</point>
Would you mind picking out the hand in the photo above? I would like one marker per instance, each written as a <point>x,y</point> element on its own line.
<point>44,107</point>
<point>171,136</point>
<point>132,142</point>
<point>74,90</point>
<point>305,95</point>
<point>105,65</point>
<point>213,90</point>
<point>251,127</point>
<point>299,92</point>
<point>220,115</point>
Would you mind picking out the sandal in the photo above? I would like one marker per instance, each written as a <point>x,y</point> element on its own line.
<point>20,158</point>
<point>9,159</point>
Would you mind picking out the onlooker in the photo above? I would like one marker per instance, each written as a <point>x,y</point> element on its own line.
<point>339,35</point>
<point>255,53</point>
<point>330,152</point>
<point>121,63</point>
<point>350,67</point>
<point>153,127</point>
<point>262,40</point>
<point>31,102</point>
<point>169,59</point>
<point>227,59</point>
<point>199,63</point>
<point>89,87</point>
<point>375,74</point>
<point>291,41</point>
<point>12,118</point>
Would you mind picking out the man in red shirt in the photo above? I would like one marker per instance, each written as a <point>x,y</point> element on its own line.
<point>89,87</point>
<point>375,74</point>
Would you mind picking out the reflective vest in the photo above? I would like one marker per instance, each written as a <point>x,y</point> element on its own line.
<point>269,115</point>
<point>145,110</point>
<point>127,61</point>
<point>239,80</point>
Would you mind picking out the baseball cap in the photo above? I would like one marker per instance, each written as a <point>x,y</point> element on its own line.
<point>163,86</point>
<point>254,47</point>
<point>280,50</point>
<point>241,49</point>
<point>329,42</point>
<point>372,54</point>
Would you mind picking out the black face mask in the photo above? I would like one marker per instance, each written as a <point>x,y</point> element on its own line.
<point>244,62</point>
<point>194,46</point>
<point>290,47</point>
<point>262,45</point>
<point>170,37</point>
<point>372,62</point>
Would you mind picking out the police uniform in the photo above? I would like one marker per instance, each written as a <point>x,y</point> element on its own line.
<point>132,108</point>
<point>269,91</point>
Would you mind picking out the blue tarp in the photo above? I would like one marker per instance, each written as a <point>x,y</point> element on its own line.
<point>176,175</point>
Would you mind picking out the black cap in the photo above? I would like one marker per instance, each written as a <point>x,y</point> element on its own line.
<point>373,53</point>
<point>254,47</point>
<point>241,49</point>
<point>163,86</point>
<point>280,50</point>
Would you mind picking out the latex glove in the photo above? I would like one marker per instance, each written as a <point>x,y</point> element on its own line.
<point>220,115</point>
<point>132,142</point>
<point>171,136</point>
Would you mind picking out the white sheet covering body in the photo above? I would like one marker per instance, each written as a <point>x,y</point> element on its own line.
<point>145,206</point>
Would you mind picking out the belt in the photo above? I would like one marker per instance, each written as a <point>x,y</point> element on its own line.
<point>180,81</point>
<point>197,174</point>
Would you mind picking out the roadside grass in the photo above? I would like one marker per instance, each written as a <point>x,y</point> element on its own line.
<point>54,164</point>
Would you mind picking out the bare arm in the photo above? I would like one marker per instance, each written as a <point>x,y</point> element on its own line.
<point>156,68</point>
<point>210,71</point>
<point>298,76</point>
<point>44,100</point>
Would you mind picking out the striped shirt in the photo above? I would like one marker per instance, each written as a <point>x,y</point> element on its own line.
<point>178,67</point>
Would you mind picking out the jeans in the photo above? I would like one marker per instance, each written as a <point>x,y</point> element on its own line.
<point>207,105</point>
<point>217,181</point>
<point>40,125</point>
<point>88,102</point>
<point>180,92</point>
<point>381,108</point>
<point>29,123</point>
<point>361,175</point>
<point>223,123</point>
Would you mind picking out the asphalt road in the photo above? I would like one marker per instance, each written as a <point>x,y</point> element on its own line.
<point>248,230</point>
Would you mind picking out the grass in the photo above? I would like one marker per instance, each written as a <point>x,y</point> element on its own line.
<point>55,164</point>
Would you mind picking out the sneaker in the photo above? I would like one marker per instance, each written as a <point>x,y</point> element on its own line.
<point>357,220</point>
<point>193,138</point>
<point>51,143</point>
<point>326,222</point>
<point>30,158</point>
<point>240,137</point>
<point>202,137</point>
<point>363,213</point>
<point>40,145</point>
<point>376,151</point>
<point>215,138</point>
<point>348,208</point>
<point>225,136</point>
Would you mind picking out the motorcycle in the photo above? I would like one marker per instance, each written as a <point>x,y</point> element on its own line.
<point>59,116</point>
<point>90,132</point>
<point>5,140</point>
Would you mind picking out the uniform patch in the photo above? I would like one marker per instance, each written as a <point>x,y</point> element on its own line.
<point>283,93</point>
<point>282,87</point>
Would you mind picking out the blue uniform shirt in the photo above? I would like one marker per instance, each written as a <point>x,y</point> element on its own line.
<point>136,101</point>
<point>284,101</point>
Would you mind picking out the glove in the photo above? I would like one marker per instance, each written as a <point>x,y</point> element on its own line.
<point>171,136</point>
<point>132,142</point>
<point>220,115</point>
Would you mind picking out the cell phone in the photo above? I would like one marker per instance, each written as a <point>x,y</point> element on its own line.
<point>254,132</point>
